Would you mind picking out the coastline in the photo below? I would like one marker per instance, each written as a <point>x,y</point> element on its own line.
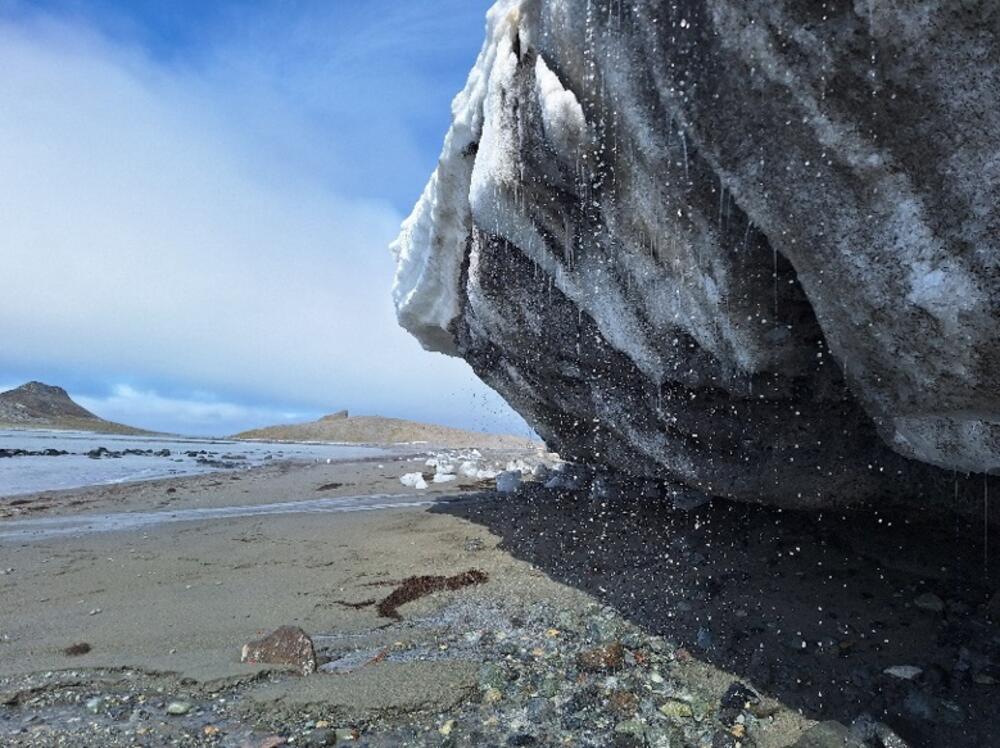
<point>587,624</point>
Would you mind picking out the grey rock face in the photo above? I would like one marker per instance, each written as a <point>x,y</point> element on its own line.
<point>750,247</point>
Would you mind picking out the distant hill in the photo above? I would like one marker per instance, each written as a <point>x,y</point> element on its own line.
<point>41,406</point>
<point>341,427</point>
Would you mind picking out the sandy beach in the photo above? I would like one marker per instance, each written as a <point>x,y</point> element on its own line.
<point>590,625</point>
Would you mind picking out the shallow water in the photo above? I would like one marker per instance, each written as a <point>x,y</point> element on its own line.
<point>22,475</point>
<point>85,524</point>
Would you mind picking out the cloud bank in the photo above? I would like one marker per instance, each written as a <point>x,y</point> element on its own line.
<point>184,224</point>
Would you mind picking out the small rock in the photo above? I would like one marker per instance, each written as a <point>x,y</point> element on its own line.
<point>676,709</point>
<point>492,696</point>
<point>629,734</point>
<point>828,735</point>
<point>522,739</point>
<point>904,672</point>
<point>321,737</point>
<point>929,601</point>
<point>605,658</point>
<point>704,639</point>
<point>737,698</point>
<point>288,645</point>
<point>178,708</point>
<point>447,727</point>
<point>623,703</point>
<point>94,705</point>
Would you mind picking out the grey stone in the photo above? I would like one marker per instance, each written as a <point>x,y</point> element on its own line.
<point>178,708</point>
<point>828,735</point>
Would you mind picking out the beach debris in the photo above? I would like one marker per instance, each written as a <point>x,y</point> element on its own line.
<point>413,588</point>
<point>414,480</point>
<point>75,650</point>
<point>508,481</point>
<point>330,486</point>
<point>288,645</point>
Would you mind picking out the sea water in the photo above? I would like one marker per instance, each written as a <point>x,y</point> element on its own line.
<point>22,475</point>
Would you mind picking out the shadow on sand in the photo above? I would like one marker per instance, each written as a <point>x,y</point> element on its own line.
<point>809,608</point>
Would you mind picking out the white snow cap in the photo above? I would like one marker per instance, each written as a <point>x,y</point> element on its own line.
<point>431,245</point>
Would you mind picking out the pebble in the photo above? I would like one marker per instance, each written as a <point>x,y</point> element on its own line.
<point>321,737</point>
<point>178,708</point>
<point>447,727</point>
<point>94,705</point>
<point>604,658</point>
<point>904,672</point>
<point>676,709</point>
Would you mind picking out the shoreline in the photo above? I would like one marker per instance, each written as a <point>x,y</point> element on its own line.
<point>625,624</point>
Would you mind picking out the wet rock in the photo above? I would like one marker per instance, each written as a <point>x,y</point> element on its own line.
<point>904,672</point>
<point>828,735</point>
<point>604,658</point>
<point>322,737</point>
<point>522,739</point>
<point>734,701</point>
<point>629,734</point>
<point>288,645</point>
<point>930,602</point>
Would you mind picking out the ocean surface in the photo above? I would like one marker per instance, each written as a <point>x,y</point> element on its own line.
<point>188,456</point>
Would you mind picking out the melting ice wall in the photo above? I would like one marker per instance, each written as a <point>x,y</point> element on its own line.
<point>749,247</point>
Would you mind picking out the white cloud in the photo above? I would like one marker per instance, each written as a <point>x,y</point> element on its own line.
<point>147,231</point>
<point>191,415</point>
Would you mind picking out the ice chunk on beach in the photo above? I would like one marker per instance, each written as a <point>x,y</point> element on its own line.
<point>413,480</point>
<point>444,477</point>
<point>508,481</point>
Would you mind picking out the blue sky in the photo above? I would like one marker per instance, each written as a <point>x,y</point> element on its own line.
<point>197,198</point>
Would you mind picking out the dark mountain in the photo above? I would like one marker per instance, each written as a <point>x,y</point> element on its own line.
<point>41,406</point>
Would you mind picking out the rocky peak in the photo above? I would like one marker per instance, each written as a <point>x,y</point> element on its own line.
<point>36,400</point>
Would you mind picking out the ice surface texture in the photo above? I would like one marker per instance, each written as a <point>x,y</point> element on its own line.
<point>751,247</point>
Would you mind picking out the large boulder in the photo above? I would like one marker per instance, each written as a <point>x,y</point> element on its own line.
<point>750,247</point>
